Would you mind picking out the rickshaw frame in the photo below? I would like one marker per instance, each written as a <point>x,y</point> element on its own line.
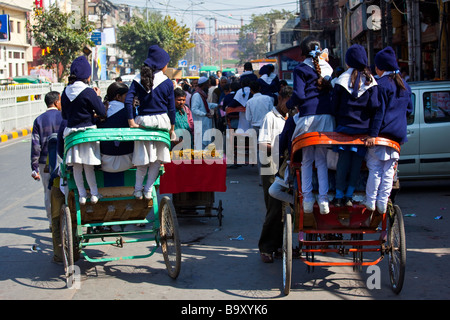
<point>162,214</point>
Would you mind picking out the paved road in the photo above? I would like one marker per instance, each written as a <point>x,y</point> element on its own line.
<point>213,266</point>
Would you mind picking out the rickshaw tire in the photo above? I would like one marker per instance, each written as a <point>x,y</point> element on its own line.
<point>287,253</point>
<point>67,242</point>
<point>169,237</point>
<point>397,261</point>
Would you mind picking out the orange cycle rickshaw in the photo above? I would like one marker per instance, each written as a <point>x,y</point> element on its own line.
<point>343,230</point>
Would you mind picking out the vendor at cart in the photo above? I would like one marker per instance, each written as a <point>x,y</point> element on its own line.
<point>202,112</point>
<point>184,124</point>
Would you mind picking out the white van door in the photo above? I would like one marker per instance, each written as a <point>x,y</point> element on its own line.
<point>435,132</point>
<point>408,164</point>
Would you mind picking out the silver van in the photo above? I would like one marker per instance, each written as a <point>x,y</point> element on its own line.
<point>426,155</point>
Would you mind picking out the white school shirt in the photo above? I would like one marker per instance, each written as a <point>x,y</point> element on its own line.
<point>241,96</point>
<point>269,131</point>
<point>257,107</point>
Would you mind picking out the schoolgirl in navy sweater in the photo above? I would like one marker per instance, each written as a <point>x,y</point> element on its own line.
<point>312,96</point>
<point>156,110</point>
<point>390,122</point>
<point>269,82</point>
<point>79,106</point>
<point>355,101</point>
<point>116,155</point>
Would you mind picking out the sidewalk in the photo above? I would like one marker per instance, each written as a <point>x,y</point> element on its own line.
<point>15,134</point>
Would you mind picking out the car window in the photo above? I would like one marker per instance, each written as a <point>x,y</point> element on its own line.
<point>436,106</point>
<point>411,116</point>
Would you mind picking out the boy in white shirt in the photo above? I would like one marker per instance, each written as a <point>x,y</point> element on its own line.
<point>257,106</point>
<point>256,109</point>
<point>273,124</point>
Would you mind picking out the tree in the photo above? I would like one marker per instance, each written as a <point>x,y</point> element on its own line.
<point>136,36</point>
<point>61,36</point>
<point>253,37</point>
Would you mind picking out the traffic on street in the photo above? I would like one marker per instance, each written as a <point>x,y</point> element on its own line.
<point>218,262</point>
<point>233,157</point>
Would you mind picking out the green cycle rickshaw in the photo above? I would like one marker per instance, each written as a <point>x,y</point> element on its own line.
<point>85,226</point>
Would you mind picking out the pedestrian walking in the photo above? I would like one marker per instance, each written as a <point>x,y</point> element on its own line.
<point>272,231</point>
<point>44,126</point>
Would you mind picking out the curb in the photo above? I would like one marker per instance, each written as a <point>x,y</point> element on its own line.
<point>15,134</point>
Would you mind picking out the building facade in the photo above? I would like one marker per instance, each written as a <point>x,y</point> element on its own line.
<point>418,31</point>
<point>215,44</point>
<point>15,51</point>
<point>107,17</point>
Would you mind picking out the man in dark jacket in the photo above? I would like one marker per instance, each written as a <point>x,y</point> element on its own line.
<point>44,125</point>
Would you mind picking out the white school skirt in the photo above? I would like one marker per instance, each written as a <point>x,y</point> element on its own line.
<point>146,152</point>
<point>116,163</point>
<point>313,123</point>
<point>83,153</point>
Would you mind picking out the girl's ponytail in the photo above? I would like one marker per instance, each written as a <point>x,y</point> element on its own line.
<point>311,48</point>
<point>398,80</point>
<point>147,76</point>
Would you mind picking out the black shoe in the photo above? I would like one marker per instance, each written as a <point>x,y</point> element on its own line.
<point>337,202</point>
<point>266,257</point>
<point>347,202</point>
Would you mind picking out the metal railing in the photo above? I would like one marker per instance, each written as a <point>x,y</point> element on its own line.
<point>21,104</point>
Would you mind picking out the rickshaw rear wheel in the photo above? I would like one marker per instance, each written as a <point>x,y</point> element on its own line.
<point>67,243</point>
<point>397,249</point>
<point>287,251</point>
<point>169,238</point>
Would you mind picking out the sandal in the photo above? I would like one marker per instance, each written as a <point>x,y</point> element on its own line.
<point>266,257</point>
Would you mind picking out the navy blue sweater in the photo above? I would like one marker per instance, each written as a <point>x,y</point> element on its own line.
<point>309,99</point>
<point>43,126</point>
<point>116,148</point>
<point>60,143</point>
<point>80,112</point>
<point>355,113</point>
<point>391,119</point>
<point>285,139</point>
<point>270,89</point>
<point>159,101</point>
<point>251,76</point>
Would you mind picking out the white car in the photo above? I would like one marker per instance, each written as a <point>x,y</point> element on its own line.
<point>426,155</point>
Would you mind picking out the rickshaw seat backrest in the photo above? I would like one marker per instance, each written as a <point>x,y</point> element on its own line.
<point>330,139</point>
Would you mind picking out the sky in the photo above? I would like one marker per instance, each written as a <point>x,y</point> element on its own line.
<point>227,12</point>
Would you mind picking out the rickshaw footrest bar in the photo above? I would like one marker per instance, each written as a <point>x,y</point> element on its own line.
<point>340,264</point>
<point>343,242</point>
<point>116,234</point>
